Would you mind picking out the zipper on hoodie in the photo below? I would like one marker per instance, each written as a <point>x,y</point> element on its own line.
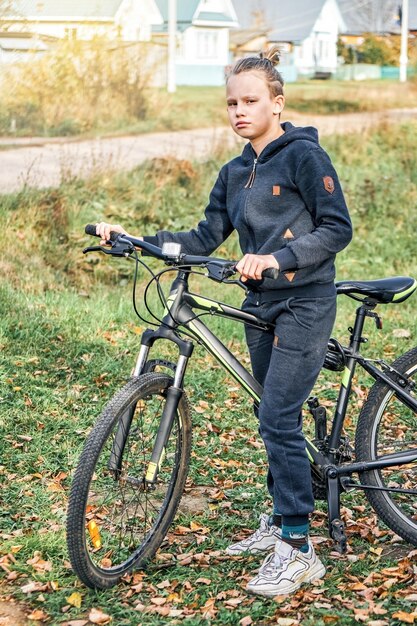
<point>252,175</point>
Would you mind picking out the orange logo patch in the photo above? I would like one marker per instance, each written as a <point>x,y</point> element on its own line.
<point>328,184</point>
<point>276,190</point>
<point>289,276</point>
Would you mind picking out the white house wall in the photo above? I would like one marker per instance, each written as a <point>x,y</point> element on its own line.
<point>136,19</point>
<point>76,29</point>
<point>202,56</point>
<point>132,22</point>
<point>204,46</point>
<point>319,51</point>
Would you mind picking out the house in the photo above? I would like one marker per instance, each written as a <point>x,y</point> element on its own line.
<point>412,17</point>
<point>382,19</point>
<point>307,31</point>
<point>16,47</point>
<point>202,39</point>
<point>130,20</point>
<point>376,16</point>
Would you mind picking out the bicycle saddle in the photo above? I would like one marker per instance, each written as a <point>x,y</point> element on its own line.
<point>385,290</point>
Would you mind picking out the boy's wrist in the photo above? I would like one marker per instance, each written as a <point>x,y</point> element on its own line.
<point>286,259</point>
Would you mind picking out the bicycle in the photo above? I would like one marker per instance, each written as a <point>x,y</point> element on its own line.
<point>132,470</point>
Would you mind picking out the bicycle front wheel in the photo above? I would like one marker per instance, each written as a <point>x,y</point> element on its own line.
<point>387,426</point>
<point>116,519</point>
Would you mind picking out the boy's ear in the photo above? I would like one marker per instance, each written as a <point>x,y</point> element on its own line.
<point>279,102</point>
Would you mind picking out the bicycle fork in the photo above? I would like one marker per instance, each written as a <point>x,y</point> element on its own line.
<point>173,397</point>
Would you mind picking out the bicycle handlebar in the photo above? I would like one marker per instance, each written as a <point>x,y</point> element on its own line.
<point>182,259</point>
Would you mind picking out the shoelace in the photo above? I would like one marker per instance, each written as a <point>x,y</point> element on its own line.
<point>262,528</point>
<point>273,563</point>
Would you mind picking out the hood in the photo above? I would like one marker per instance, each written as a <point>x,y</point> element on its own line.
<point>291,133</point>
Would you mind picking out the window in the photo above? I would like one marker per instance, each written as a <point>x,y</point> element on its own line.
<point>71,33</point>
<point>207,43</point>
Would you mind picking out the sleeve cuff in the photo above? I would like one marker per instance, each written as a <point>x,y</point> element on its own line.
<point>286,260</point>
<point>153,239</point>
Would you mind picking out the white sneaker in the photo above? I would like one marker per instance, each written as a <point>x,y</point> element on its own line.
<point>263,539</point>
<point>285,570</point>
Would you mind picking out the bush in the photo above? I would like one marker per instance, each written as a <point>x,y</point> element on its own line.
<point>76,86</point>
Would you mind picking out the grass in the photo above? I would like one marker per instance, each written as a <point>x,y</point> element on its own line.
<point>350,96</point>
<point>196,107</point>
<point>69,339</point>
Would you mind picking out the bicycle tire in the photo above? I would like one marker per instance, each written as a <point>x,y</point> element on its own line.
<point>385,425</point>
<point>116,521</point>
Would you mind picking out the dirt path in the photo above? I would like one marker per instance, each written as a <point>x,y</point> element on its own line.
<point>40,162</point>
<point>11,614</point>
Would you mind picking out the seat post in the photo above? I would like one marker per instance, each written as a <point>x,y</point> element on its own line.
<point>356,337</point>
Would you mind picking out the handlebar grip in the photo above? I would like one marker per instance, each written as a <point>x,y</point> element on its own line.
<point>90,229</point>
<point>271,272</point>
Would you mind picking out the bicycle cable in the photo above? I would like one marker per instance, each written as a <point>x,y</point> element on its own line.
<point>162,298</point>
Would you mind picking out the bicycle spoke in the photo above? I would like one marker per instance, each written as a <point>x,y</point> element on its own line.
<point>123,506</point>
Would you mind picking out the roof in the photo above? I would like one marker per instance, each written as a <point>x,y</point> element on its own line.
<point>370,16</point>
<point>243,36</point>
<point>66,8</point>
<point>195,12</point>
<point>412,17</point>
<point>20,42</point>
<point>285,20</point>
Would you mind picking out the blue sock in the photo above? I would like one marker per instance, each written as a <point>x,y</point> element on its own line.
<point>296,536</point>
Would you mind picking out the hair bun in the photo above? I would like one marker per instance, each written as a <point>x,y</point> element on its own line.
<point>272,55</point>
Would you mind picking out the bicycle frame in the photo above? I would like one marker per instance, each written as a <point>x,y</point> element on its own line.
<point>181,304</point>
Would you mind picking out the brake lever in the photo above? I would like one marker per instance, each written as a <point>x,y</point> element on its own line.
<point>236,281</point>
<point>117,249</point>
<point>219,274</point>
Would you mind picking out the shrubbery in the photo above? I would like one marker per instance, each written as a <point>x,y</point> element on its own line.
<point>377,50</point>
<point>76,86</point>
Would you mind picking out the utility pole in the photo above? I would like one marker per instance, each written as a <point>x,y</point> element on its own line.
<point>172,41</point>
<point>404,42</point>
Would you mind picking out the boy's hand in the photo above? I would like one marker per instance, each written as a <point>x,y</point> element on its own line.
<point>103,229</point>
<point>252,265</point>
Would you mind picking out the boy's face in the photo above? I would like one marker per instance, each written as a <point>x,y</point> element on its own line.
<point>253,112</point>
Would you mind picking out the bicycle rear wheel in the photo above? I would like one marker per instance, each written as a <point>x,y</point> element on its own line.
<point>116,519</point>
<point>387,426</point>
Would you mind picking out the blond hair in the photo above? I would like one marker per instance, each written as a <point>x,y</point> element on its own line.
<point>265,63</point>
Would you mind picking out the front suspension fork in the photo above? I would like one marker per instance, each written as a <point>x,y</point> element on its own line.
<point>173,397</point>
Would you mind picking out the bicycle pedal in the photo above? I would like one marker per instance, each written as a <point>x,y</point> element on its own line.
<point>337,532</point>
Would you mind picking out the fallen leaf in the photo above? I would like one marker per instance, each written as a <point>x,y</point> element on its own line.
<point>38,615</point>
<point>75,599</point>
<point>34,586</point>
<point>96,616</point>
<point>205,581</point>
<point>246,621</point>
<point>401,332</point>
<point>408,618</point>
<point>411,598</point>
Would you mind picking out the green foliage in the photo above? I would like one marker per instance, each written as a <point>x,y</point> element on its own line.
<point>375,50</point>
